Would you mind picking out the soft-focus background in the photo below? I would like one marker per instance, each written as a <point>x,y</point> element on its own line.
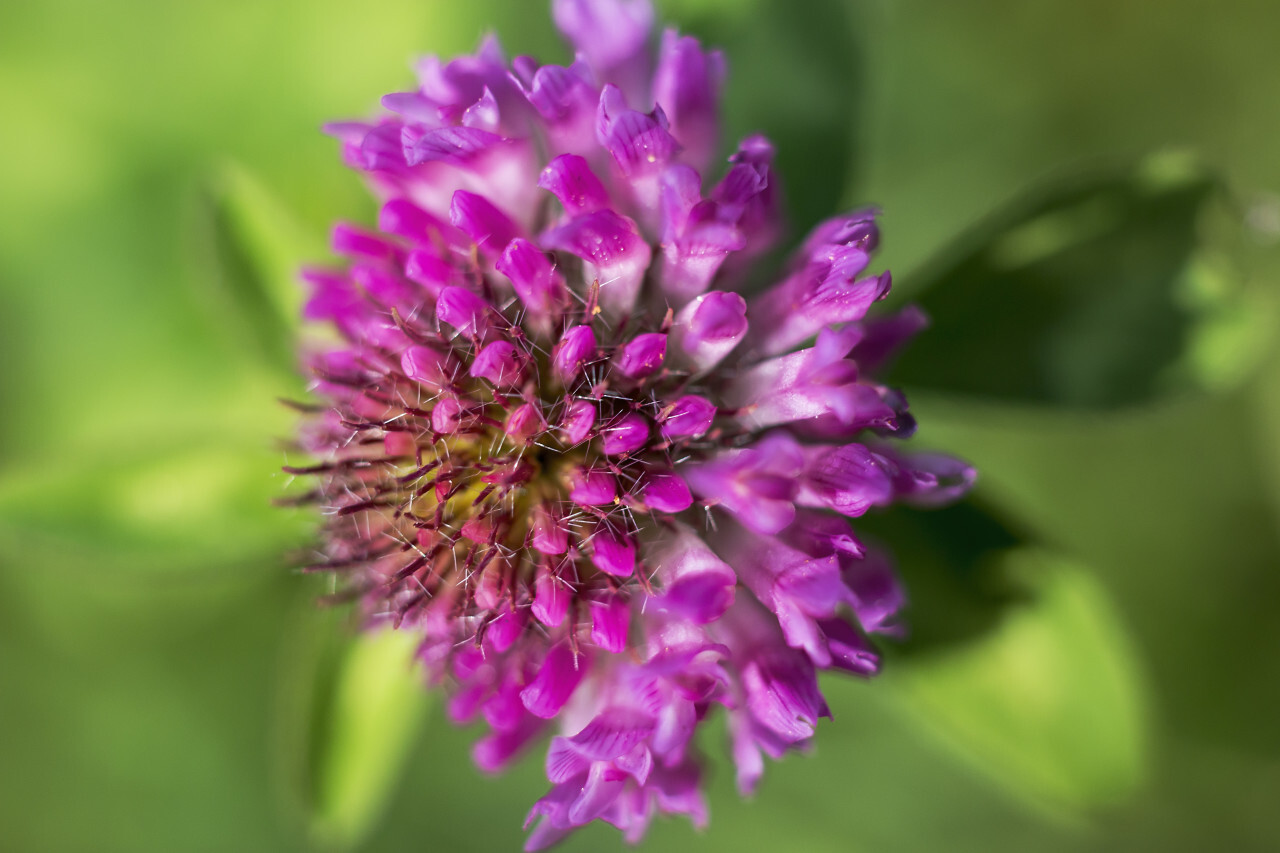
<point>1086,196</point>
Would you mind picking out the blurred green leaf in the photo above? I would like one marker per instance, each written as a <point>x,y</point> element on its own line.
<point>1238,321</point>
<point>1167,506</point>
<point>1051,705</point>
<point>365,732</point>
<point>951,563</point>
<point>1077,296</point>
<point>255,247</point>
<point>206,501</point>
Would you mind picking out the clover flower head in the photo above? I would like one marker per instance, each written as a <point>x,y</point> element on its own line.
<point>608,491</point>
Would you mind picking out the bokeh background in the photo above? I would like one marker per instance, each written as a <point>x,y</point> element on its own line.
<point>1085,195</point>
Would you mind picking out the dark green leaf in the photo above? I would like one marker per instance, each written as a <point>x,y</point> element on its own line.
<point>1072,297</point>
<point>950,560</point>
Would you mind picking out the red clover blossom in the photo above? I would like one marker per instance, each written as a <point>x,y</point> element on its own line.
<point>606,490</point>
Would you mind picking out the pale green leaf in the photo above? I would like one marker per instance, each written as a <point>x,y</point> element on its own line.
<point>1050,704</point>
<point>256,247</point>
<point>168,507</point>
<point>376,710</point>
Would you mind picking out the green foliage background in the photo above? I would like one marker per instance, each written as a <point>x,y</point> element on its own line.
<point>1083,194</point>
